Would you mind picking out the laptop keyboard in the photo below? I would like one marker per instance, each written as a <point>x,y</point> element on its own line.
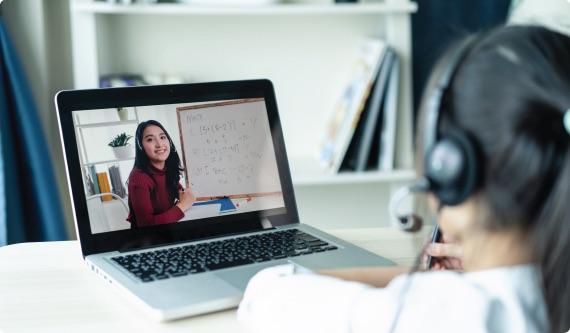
<point>198,258</point>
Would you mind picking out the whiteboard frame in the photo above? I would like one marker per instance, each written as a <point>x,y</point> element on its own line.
<point>181,109</point>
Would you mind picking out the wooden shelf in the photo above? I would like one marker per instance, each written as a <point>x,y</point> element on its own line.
<point>276,9</point>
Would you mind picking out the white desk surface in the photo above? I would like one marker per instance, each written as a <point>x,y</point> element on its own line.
<point>46,287</point>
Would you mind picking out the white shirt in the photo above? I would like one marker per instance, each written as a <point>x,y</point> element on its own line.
<point>496,300</point>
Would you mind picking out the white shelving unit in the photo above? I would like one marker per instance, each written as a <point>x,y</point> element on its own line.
<point>276,9</point>
<point>80,134</point>
<point>305,49</point>
<point>108,123</point>
<point>353,178</point>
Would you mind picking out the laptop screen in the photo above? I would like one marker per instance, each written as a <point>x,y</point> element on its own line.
<point>153,165</point>
<point>156,165</point>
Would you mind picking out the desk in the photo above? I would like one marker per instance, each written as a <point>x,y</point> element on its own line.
<point>46,287</point>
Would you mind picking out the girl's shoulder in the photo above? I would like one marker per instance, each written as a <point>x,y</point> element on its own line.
<point>441,287</point>
<point>482,286</point>
<point>485,300</point>
<point>439,301</point>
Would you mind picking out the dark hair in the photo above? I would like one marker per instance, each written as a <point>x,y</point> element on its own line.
<point>172,164</point>
<point>510,94</point>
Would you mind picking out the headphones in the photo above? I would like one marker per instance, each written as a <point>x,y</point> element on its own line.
<point>138,134</point>
<point>452,170</point>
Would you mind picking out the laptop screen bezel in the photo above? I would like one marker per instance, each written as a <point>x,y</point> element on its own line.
<point>132,239</point>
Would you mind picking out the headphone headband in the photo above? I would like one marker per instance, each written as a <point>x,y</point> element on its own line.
<point>451,163</point>
<point>438,88</point>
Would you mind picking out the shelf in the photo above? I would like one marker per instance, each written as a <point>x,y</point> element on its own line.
<point>275,9</point>
<point>299,46</point>
<point>351,178</point>
<point>108,123</point>
<point>109,161</point>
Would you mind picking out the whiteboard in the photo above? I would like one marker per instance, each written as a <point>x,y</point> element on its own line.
<point>227,149</point>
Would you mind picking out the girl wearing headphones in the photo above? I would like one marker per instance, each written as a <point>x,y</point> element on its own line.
<point>506,106</point>
<point>155,194</point>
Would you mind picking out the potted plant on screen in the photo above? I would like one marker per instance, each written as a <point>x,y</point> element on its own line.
<point>123,113</point>
<point>121,147</point>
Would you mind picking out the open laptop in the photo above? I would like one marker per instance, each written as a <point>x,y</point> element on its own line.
<point>230,143</point>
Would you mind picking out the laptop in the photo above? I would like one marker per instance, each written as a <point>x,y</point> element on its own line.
<point>230,145</point>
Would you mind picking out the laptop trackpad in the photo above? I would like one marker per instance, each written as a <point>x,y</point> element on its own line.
<point>240,276</point>
<point>200,288</point>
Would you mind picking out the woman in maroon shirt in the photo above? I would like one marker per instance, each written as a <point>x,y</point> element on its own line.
<point>155,194</point>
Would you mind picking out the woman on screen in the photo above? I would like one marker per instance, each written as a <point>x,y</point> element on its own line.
<point>155,194</point>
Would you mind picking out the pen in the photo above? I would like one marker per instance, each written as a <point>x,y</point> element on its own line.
<point>435,237</point>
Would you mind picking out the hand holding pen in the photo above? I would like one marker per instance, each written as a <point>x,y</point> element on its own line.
<point>442,253</point>
<point>186,199</point>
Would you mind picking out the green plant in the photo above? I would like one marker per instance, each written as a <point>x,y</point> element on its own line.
<point>120,140</point>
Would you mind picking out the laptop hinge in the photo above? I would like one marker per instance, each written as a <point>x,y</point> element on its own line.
<point>194,240</point>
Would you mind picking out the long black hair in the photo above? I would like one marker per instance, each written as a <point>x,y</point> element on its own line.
<point>172,165</point>
<point>510,94</point>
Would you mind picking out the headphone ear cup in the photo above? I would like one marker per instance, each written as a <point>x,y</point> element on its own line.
<point>452,167</point>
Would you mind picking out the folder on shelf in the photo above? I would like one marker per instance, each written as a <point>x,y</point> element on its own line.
<point>116,181</point>
<point>387,143</point>
<point>361,147</point>
<point>89,185</point>
<point>349,108</point>
<point>94,179</point>
<point>104,186</point>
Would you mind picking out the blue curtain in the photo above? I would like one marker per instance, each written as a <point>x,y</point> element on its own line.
<point>3,230</point>
<point>32,210</point>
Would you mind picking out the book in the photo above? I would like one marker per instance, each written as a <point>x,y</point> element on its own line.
<point>89,186</point>
<point>359,150</point>
<point>349,107</point>
<point>93,172</point>
<point>104,186</point>
<point>117,182</point>
<point>387,142</point>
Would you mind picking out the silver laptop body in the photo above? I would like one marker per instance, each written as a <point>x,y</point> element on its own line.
<point>186,293</point>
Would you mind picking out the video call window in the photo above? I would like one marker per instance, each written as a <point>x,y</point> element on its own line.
<point>161,164</point>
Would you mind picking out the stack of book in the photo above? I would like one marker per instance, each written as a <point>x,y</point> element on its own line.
<point>98,182</point>
<point>361,134</point>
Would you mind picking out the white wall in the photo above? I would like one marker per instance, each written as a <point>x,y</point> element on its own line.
<point>283,52</point>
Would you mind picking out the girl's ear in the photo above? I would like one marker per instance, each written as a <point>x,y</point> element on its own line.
<point>460,220</point>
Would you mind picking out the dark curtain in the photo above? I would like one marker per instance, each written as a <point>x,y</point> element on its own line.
<point>438,23</point>
<point>3,229</point>
<point>28,189</point>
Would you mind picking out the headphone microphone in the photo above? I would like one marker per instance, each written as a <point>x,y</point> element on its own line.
<point>451,157</point>
<point>411,222</point>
